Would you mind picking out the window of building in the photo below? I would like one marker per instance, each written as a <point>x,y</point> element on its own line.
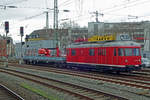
<point>73,52</point>
<point>91,52</point>
<point>120,52</point>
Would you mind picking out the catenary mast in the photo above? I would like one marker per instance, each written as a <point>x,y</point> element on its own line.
<point>55,26</point>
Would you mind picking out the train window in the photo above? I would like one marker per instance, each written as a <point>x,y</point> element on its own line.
<point>115,52</point>
<point>73,52</point>
<point>104,52</point>
<point>128,51</point>
<point>120,52</point>
<point>91,52</point>
<point>99,51</point>
<point>136,52</point>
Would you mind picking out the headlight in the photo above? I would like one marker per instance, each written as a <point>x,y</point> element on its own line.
<point>126,60</point>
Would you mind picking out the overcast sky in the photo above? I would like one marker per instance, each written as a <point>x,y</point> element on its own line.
<point>30,13</point>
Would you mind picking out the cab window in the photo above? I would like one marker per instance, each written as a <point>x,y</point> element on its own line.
<point>136,52</point>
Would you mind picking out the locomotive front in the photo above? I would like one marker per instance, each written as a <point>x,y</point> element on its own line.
<point>127,54</point>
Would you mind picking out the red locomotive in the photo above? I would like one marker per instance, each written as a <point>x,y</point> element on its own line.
<point>122,55</point>
<point>116,56</point>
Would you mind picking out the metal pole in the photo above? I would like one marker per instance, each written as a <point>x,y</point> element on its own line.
<point>21,48</point>
<point>6,64</point>
<point>56,21</point>
<point>21,34</point>
<point>96,13</point>
<point>47,21</point>
<point>7,31</point>
<point>20,61</point>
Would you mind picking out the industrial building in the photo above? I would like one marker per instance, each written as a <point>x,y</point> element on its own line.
<point>64,36</point>
<point>138,31</point>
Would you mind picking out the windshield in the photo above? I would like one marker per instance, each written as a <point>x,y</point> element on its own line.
<point>129,52</point>
<point>136,52</point>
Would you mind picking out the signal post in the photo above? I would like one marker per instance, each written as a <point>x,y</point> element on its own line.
<point>7,31</point>
<point>21,34</point>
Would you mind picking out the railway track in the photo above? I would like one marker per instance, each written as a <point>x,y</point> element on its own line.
<point>124,79</point>
<point>79,92</point>
<point>146,70</point>
<point>7,94</point>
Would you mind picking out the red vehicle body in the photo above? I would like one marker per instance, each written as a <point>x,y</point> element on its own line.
<point>48,52</point>
<point>115,56</point>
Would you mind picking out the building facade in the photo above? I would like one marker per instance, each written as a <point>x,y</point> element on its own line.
<point>138,31</point>
<point>64,36</point>
<point>6,47</point>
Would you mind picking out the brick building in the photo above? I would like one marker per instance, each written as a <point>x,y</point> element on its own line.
<point>6,50</point>
<point>2,47</point>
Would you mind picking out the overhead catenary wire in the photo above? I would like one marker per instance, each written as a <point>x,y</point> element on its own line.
<point>13,2</point>
<point>65,3</point>
<point>120,5</point>
<point>124,6</point>
<point>127,6</point>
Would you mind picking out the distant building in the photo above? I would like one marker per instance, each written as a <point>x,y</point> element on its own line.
<point>138,31</point>
<point>9,50</point>
<point>64,36</point>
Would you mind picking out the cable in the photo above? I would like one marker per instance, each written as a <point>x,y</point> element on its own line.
<point>15,2</point>
<point>127,6</point>
<point>120,5</point>
<point>27,18</point>
<point>67,2</point>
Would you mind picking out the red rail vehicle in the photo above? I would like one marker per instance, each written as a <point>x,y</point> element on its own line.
<point>109,53</point>
<point>115,56</point>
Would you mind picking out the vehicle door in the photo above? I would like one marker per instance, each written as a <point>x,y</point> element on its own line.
<point>120,58</point>
<point>115,56</point>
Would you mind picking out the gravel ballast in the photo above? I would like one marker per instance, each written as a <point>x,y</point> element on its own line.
<point>131,93</point>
